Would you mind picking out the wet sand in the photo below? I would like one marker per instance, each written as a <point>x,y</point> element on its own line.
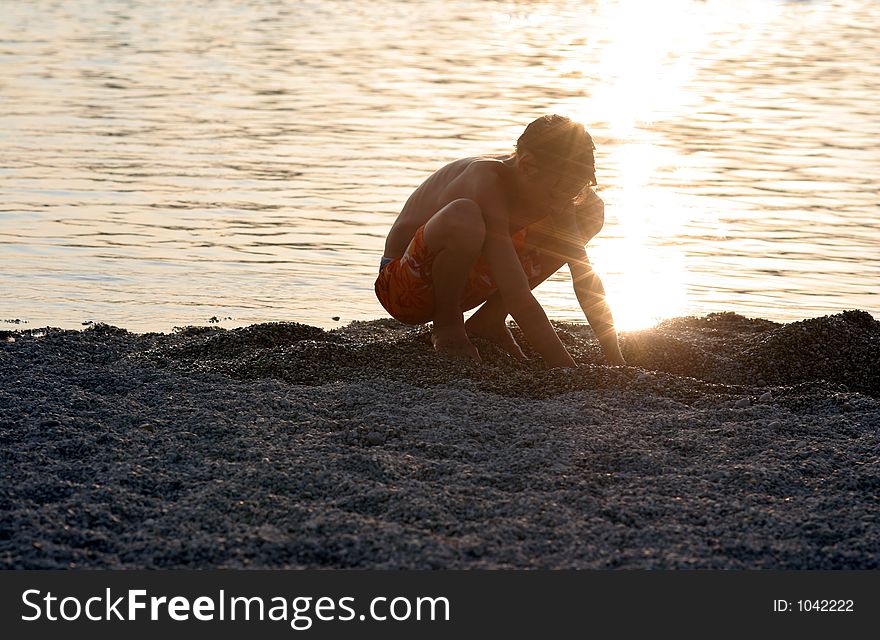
<point>729,443</point>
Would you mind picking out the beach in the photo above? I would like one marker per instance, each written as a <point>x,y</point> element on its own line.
<point>728,443</point>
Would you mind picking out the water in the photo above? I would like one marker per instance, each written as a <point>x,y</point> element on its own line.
<point>163,163</point>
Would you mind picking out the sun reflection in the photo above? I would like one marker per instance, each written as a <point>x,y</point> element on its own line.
<point>650,288</point>
<point>648,52</point>
<point>645,59</point>
<point>644,269</point>
<point>645,64</point>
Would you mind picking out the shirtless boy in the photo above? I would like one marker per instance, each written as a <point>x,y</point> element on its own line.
<point>489,230</point>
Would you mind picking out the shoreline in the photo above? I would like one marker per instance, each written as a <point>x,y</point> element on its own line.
<point>329,323</point>
<point>731,443</point>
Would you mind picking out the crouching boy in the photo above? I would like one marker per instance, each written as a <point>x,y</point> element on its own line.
<point>487,230</point>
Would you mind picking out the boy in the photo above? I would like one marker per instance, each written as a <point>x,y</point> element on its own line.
<point>490,229</point>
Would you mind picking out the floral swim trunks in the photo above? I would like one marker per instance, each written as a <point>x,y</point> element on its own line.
<point>406,290</point>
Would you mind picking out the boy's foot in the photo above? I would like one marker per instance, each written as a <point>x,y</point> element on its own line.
<point>498,334</point>
<point>455,345</point>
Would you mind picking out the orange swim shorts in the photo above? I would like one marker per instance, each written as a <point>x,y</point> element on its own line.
<point>406,290</point>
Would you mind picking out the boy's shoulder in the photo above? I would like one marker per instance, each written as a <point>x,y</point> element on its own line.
<point>482,166</point>
<point>485,174</point>
<point>495,164</point>
<point>483,179</point>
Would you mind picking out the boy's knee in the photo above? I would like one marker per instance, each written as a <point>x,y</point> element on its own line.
<point>463,220</point>
<point>466,213</point>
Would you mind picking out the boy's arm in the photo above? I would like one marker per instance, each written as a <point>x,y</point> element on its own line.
<point>590,294</point>
<point>513,286</point>
<point>588,287</point>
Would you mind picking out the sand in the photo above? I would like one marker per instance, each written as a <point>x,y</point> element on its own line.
<point>729,443</point>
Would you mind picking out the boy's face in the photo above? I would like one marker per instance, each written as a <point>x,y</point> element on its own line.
<point>556,188</point>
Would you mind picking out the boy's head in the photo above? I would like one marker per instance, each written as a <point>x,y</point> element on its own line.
<point>560,146</point>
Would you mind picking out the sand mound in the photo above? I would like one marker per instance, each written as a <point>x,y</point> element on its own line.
<point>722,349</point>
<point>843,348</point>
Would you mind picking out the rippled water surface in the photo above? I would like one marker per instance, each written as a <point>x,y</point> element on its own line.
<point>163,163</point>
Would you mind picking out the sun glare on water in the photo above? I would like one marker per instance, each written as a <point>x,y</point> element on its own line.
<point>649,53</point>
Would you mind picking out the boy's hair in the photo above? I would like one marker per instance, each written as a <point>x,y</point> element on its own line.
<point>559,143</point>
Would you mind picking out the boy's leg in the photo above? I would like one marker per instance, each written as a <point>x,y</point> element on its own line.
<point>455,235</point>
<point>490,320</point>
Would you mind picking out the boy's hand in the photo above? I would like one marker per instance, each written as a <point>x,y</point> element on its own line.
<point>454,344</point>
